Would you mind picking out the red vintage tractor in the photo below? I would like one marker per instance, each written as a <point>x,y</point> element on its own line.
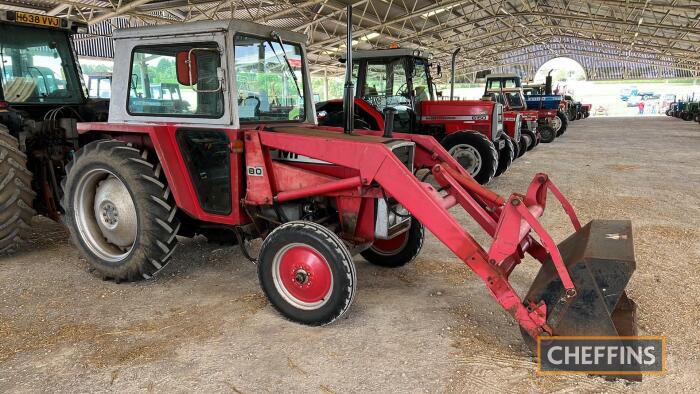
<point>516,118</point>
<point>471,130</point>
<point>259,167</point>
<point>550,121</point>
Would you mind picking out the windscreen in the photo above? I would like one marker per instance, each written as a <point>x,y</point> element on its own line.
<point>36,66</point>
<point>270,80</point>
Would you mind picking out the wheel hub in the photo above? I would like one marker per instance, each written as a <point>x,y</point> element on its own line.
<point>110,215</point>
<point>302,276</point>
<point>105,215</point>
<point>115,212</point>
<point>468,157</point>
<point>556,123</point>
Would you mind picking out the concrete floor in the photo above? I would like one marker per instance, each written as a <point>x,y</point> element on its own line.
<point>204,325</point>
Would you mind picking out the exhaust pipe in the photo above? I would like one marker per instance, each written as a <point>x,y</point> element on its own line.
<point>548,83</point>
<point>349,93</point>
<point>452,75</point>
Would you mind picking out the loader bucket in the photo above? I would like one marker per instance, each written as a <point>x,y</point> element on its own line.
<point>600,261</point>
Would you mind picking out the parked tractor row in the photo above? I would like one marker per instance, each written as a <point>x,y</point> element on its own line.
<point>485,136</point>
<point>688,109</point>
<point>237,169</point>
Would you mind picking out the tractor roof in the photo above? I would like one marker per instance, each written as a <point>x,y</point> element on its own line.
<point>234,25</point>
<point>386,53</point>
<point>493,76</point>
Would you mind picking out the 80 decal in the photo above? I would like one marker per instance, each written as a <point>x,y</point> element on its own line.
<point>255,171</point>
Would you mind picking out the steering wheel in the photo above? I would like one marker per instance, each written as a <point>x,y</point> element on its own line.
<point>401,92</point>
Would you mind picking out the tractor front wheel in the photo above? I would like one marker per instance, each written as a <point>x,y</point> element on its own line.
<point>505,157</point>
<point>397,251</point>
<point>119,210</point>
<point>16,194</point>
<point>560,123</point>
<point>307,273</point>
<point>475,153</point>
<point>697,117</point>
<point>548,134</point>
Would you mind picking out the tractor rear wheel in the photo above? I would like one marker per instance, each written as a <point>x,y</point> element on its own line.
<point>525,142</point>
<point>516,149</point>
<point>697,117</point>
<point>307,273</point>
<point>398,251</point>
<point>505,157</point>
<point>475,153</point>
<point>687,116</point>
<point>530,137</point>
<point>16,194</point>
<point>119,210</point>
<point>560,123</point>
<point>548,134</point>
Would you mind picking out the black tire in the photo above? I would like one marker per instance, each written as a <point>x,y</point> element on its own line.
<point>548,134</point>
<point>516,148</point>
<point>386,254</point>
<point>16,194</point>
<point>153,207</point>
<point>525,142</point>
<point>485,148</point>
<point>697,117</point>
<point>564,123</point>
<point>687,116</point>
<point>531,139</point>
<point>339,265</point>
<point>668,112</point>
<point>505,157</point>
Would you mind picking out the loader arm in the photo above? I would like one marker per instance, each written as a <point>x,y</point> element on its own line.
<point>378,166</point>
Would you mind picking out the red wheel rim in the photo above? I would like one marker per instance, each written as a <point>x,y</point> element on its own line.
<point>390,246</point>
<point>302,276</point>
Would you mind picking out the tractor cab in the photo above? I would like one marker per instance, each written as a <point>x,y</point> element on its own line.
<point>396,78</point>
<point>100,85</point>
<point>43,96</point>
<point>38,66</point>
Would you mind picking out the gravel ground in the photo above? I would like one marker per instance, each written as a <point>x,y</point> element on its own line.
<point>204,325</point>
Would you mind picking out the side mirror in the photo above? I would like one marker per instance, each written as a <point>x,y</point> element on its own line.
<point>186,68</point>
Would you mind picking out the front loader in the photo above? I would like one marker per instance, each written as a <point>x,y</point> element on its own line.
<point>317,196</point>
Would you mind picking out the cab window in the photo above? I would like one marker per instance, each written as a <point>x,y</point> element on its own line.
<point>269,79</point>
<point>154,88</point>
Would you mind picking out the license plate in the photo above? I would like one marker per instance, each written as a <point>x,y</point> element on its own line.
<point>34,19</point>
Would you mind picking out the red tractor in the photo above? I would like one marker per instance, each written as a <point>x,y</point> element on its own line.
<point>246,159</point>
<point>471,130</point>
<point>550,121</point>
<point>517,120</point>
